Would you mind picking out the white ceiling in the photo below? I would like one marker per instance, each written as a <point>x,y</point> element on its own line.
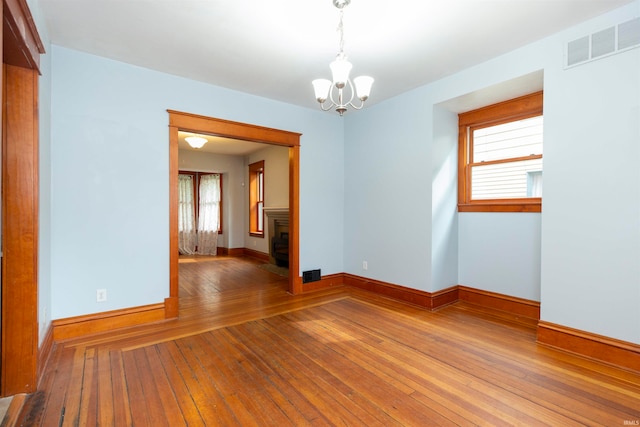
<point>275,48</point>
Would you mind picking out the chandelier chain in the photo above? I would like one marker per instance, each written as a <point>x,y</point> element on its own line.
<point>341,30</point>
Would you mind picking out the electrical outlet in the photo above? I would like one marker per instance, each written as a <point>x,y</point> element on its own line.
<point>365,265</point>
<point>101,295</point>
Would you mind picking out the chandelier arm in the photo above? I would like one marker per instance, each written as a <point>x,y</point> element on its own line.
<point>341,102</point>
<point>355,107</point>
<point>333,101</point>
<point>328,108</point>
<point>353,92</point>
<point>350,103</point>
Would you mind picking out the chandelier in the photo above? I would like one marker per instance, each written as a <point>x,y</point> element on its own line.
<point>340,68</point>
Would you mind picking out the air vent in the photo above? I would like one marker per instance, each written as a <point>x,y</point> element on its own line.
<point>578,51</point>
<point>603,43</point>
<point>311,276</point>
<point>629,34</point>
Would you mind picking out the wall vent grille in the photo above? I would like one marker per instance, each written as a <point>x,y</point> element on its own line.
<point>311,276</point>
<point>603,43</point>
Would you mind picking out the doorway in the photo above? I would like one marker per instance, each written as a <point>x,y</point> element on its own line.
<point>179,121</point>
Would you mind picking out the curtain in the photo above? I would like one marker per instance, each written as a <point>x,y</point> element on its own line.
<point>208,217</point>
<point>536,184</point>
<point>186,215</point>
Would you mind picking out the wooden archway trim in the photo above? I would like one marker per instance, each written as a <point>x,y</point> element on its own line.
<point>179,121</point>
<point>22,44</point>
<point>21,49</point>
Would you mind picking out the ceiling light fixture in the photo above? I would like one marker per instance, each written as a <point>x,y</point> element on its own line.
<point>196,141</point>
<point>340,69</point>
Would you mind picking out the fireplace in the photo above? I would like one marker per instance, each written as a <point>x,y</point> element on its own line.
<point>278,227</point>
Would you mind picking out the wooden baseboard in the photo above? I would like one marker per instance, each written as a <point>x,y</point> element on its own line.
<point>328,281</point>
<point>256,254</point>
<point>171,309</point>
<point>444,297</point>
<point>45,350</point>
<point>519,307</point>
<point>235,251</point>
<point>417,297</point>
<point>516,306</point>
<point>615,352</point>
<point>73,327</point>
<point>408,295</point>
<point>13,412</point>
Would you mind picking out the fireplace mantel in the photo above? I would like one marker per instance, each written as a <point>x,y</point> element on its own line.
<point>272,211</point>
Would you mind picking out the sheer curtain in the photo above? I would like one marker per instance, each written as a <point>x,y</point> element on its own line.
<point>186,215</point>
<point>536,185</point>
<point>208,216</point>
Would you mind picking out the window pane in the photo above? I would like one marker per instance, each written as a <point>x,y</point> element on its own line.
<point>186,205</point>
<point>534,184</point>
<point>209,211</point>
<point>509,140</point>
<point>260,216</point>
<point>507,180</point>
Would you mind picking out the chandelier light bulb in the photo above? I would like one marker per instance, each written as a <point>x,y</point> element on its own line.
<point>363,87</point>
<point>340,69</point>
<point>321,88</point>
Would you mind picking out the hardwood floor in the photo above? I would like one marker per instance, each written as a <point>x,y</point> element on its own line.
<point>244,352</point>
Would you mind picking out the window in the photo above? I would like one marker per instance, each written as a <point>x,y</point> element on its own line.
<point>205,194</point>
<point>256,199</point>
<point>500,157</point>
<point>199,212</point>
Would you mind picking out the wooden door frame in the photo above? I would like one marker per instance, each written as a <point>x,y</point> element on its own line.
<point>21,50</point>
<point>179,121</point>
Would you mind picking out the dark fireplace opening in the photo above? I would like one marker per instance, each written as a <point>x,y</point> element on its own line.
<point>280,248</point>
<point>278,231</point>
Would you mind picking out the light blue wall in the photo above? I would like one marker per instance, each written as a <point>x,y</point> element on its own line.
<point>580,257</point>
<point>109,167</point>
<point>371,185</point>
<point>44,174</point>
<point>591,220</point>
<point>44,213</point>
<point>388,191</point>
<point>444,207</point>
<point>401,186</point>
<point>500,252</point>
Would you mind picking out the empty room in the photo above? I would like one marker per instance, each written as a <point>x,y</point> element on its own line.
<point>320,212</point>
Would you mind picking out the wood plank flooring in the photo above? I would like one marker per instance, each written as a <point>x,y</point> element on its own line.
<point>246,353</point>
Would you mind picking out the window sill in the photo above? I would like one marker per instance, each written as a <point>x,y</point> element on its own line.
<point>501,206</point>
<point>252,234</point>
